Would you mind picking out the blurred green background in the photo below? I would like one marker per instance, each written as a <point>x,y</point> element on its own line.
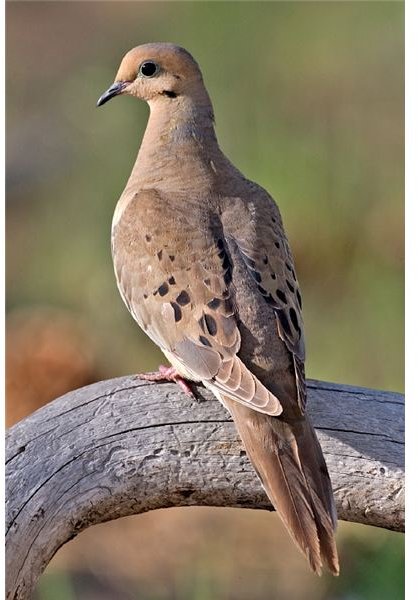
<point>309,102</point>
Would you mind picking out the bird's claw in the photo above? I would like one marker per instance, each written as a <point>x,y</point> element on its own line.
<point>168,374</point>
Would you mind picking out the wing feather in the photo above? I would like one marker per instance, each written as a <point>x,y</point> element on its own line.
<point>175,280</point>
<point>264,249</point>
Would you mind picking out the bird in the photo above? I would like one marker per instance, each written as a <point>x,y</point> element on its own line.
<point>204,266</point>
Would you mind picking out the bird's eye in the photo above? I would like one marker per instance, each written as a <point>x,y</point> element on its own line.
<point>148,69</point>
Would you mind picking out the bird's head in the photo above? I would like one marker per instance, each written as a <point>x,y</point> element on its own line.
<point>158,71</point>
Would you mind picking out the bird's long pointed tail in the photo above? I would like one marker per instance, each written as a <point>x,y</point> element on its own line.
<point>289,461</point>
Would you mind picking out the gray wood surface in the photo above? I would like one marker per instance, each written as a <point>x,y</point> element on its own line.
<point>124,446</point>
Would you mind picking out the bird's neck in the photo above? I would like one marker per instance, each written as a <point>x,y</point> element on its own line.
<point>179,148</point>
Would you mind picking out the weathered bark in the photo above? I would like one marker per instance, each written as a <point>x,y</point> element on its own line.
<point>123,447</point>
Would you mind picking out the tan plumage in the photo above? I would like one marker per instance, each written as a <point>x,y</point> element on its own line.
<point>204,266</point>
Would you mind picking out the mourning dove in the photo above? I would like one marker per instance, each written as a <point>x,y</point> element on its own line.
<point>204,266</point>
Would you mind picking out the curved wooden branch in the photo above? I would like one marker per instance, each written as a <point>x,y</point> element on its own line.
<point>123,447</point>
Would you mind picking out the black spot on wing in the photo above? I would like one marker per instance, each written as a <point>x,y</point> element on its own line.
<point>257,276</point>
<point>183,298</point>
<point>177,311</point>
<point>284,321</point>
<point>228,276</point>
<point>270,300</point>
<point>226,261</point>
<point>290,286</point>
<point>294,319</point>
<point>208,323</point>
<point>211,324</point>
<point>203,340</point>
<point>281,296</point>
<point>163,289</point>
<point>214,303</point>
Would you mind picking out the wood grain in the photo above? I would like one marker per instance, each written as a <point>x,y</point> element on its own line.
<point>124,446</point>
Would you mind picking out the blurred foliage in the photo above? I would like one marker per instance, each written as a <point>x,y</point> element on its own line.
<point>308,99</point>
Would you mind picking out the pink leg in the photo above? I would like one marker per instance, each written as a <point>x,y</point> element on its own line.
<point>168,374</point>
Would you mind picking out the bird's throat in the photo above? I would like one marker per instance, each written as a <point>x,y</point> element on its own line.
<point>179,146</point>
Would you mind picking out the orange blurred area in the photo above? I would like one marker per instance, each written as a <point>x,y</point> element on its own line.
<point>48,353</point>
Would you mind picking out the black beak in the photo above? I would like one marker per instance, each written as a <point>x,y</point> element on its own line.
<point>114,90</point>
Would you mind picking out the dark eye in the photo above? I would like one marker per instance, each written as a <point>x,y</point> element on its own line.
<point>148,69</point>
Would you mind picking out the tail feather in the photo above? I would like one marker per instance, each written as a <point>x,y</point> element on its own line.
<point>317,478</point>
<point>289,461</point>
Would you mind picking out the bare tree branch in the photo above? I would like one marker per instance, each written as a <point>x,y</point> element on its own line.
<point>123,447</point>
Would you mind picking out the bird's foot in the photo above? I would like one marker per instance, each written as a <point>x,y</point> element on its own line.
<point>168,374</point>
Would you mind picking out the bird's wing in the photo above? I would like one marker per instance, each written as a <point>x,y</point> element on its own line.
<point>261,241</point>
<point>285,451</point>
<point>174,273</point>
